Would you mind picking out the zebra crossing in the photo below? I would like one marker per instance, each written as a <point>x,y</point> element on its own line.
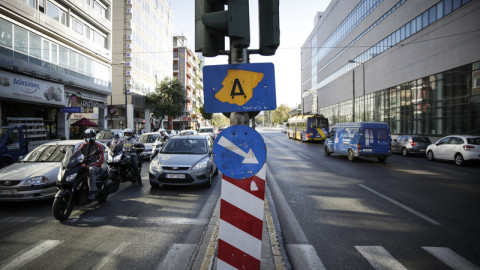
<point>377,256</point>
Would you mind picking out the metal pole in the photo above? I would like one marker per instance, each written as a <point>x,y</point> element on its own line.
<point>126,106</point>
<point>239,56</point>
<point>364,97</point>
<point>353,101</point>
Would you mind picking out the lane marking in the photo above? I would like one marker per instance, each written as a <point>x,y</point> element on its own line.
<point>176,257</point>
<point>450,258</point>
<point>305,156</point>
<point>24,257</point>
<point>111,256</point>
<point>305,257</point>
<point>418,214</point>
<point>379,258</point>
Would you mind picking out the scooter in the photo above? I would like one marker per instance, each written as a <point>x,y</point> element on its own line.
<point>72,185</point>
<point>120,168</point>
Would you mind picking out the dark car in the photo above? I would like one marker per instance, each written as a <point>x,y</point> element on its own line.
<point>410,145</point>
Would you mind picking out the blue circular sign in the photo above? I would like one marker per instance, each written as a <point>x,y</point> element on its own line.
<point>239,152</point>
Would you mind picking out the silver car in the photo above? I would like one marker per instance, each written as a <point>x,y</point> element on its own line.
<point>148,139</point>
<point>35,176</point>
<point>184,160</point>
<point>410,145</point>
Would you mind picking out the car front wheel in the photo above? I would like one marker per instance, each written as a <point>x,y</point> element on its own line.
<point>430,156</point>
<point>459,160</point>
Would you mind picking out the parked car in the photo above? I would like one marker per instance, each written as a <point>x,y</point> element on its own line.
<point>207,131</point>
<point>410,145</point>
<point>107,135</point>
<point>459,148</point>
<point>35,176</point>
<point>184,160</point>
<point>359,139</point>
<point>148,139</point>
<point>13,144</point>
<point>220,129</point>
<point>187,132</point>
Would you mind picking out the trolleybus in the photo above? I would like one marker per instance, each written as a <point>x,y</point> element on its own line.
<point>308,128</point>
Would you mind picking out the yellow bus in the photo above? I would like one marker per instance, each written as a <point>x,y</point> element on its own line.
<point>307,128</point>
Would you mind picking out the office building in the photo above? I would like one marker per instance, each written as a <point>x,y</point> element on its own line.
<point>142,57</point>
<point>412,64</point>
<point>55,65</point>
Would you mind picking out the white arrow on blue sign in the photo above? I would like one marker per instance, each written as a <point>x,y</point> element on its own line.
<point>239,152</point>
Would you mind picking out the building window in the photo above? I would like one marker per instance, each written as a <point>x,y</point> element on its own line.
<point>5,33</point>
<point>78,26</point>
<point>54,53</point>
<point>46,50</point>
<point>56,13</point>
<point>21,39</point>
<point>30,2</point>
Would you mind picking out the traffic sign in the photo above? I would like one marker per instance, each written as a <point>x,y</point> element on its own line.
<point>239,152</point>
<point>239,87</point>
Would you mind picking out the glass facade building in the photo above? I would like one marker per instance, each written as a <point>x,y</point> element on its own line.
<point>411,66</point>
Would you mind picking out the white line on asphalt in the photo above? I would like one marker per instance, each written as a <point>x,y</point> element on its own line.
<point>24,257</point>
<point>305,257</point>
<point>401,205</point>
<point>450,258</point>
<point>176,257</point>
<point>111,256</point>
<point>305,156</point>
<point>379,258</point>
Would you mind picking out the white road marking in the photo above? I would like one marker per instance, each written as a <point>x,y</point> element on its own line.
<point>450,258</point>
<point>379,258</point>
<point>177,257</point>
<point>111,256</point>
<point>305,257</point>
<point>418,214</point>
<point>24,257</point>
<point>305,156</point>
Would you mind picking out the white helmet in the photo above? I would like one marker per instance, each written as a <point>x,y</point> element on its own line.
<point>127,133</point>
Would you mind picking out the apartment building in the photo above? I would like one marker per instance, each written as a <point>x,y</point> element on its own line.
<point>55,64</point>
<point>187,68</point>
<point>412,64</point>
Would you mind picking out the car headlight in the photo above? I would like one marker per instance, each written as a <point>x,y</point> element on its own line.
<point>155,166</point>
<point>37,180</point>
<point>71,177</point>
<point>200,165</point>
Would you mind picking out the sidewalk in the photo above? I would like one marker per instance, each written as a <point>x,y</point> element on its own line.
<point>272,258</point>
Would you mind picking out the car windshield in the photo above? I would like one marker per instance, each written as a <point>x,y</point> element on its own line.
<point>421,139</point>
<point>148,138</point>
<point>475,140</point>
<point>48,153</point>
<point>185,146</point>
<point>206,130</point>
<point>105,135</point>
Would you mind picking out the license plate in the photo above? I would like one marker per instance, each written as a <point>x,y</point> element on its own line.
<point>176,176</point>
<point>6,192</point>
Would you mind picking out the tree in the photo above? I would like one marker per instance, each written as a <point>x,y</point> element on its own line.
<point>205,115</point>
<point>168,99</point>
<point>280,114</point>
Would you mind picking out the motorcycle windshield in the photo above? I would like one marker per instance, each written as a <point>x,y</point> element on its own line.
<point>71,158</point>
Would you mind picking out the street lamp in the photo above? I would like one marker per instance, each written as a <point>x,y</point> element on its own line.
<point>364,98</point>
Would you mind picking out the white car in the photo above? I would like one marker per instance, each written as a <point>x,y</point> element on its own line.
<point>148,139</point>
<point>458,148</point>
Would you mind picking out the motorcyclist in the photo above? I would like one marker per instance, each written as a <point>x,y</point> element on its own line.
<point>93,159</point>
<point>163,138</point>
<point>128,142</point>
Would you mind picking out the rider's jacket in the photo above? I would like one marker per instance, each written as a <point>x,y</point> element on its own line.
<point>92,159</point>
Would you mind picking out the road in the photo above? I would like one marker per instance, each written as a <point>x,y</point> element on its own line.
<point>330,213</point>
<point>136,228</point>
<point>408,213</point>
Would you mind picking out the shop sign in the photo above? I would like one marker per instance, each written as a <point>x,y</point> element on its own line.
<point>70,110</point>
<point>26,88</point>
<point>91,116</point>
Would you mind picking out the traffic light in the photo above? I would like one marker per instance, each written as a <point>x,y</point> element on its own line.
<point>268,14</point>
<point>213,23</point>
<point>207,43</point>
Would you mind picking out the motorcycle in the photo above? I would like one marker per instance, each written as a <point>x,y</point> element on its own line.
<point>120,167</point>
<point>72,185</point>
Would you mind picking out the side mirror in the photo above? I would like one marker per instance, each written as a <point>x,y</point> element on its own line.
<point>394,140</point>
<point>20,158</point>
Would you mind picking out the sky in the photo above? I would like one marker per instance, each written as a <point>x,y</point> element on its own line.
<point>296,24</point>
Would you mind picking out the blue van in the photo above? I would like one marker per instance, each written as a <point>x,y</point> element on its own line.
<point>359,139</point>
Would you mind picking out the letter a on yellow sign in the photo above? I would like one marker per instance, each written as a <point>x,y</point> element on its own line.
<point>238,86</point>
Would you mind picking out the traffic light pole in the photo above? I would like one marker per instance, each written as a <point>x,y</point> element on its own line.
<point>239,56</point>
